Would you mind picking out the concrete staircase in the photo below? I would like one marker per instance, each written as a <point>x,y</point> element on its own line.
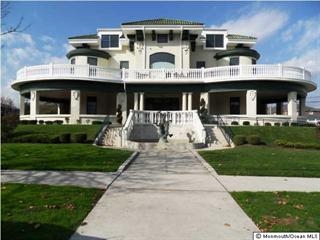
<point>215,137</point>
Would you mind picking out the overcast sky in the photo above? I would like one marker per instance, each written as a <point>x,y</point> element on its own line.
<point>288,32</point>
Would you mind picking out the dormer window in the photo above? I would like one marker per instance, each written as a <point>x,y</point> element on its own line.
<point>110,41</point>
<point>162,38</point>
<point>214,41</point>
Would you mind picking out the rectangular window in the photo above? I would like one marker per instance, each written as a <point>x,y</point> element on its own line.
<point>92,61</point>
<point>234,61</point>
<point>201,64</point>
<point>254,61</point>
<point>214,41</point>
<point>73,61</point>
<point>110,41</point>
<point>91,105</point>
<point>124,64</point>
<point>162,38</point>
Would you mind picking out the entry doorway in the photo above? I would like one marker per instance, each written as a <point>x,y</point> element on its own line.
<point>163,104</point>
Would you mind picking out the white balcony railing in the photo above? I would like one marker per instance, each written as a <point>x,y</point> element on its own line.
<point>225,73</point>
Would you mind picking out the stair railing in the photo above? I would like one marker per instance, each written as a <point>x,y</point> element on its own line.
<point>99,136</point>
<point>225,129</point>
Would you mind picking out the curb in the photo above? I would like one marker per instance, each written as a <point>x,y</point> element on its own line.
<point>204,163</point>
<point>123,167</point>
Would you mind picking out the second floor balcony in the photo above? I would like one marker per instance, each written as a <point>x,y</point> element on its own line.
<point>164,76</point>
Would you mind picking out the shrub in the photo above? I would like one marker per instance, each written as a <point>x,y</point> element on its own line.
<point>55,139</point>
<point>32,138</point>
<point>234,123</point>
<point>24,122</point>
<point>96,122</point>
<point>65,138</point>
<point>239,140</point>
<point>59,122</point>
<point>285,124</point>
<point>33,122</point>
<point>277,124</point>
<point>253,139</point>
<point>289,145</point>
<point>80,137</point>
<point>41,122</point>
<point>48,122</point>
<point>294,124</point>
<point>246,123</point>
<point>267,124</point>
<point>280,142</point>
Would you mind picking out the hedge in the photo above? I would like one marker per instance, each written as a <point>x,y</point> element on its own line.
<point>32,138</point>
<point>96,122</point>
<point>267,124</point>
<point>80,137</point>
<point>286,144</point>
<point>239,140</point>
<point>65,138</point>
<point>234,123</point>
<point>59,122</point>
<point>253,139</point>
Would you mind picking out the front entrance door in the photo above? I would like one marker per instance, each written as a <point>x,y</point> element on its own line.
<point>168,103</point>
<point>235,105</point>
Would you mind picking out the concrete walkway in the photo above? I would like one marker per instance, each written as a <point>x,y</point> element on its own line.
<point>265,184</point>
<point>59,178</point>
<point>166,195</point>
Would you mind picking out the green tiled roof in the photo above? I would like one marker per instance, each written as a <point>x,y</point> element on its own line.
<point>240,37</point>
<point>162,21</point>
<point>89,36</point>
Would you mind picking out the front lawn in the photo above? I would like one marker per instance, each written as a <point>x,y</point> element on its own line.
<point>56,130</point>
<point>37,212</point>
<point>67,157</point>
<point>269,134</point>
<point>282,211</point>
<point>264,161</point>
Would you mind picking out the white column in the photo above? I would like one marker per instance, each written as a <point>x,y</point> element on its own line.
<point>141,108</point>
<point>292,105</point>
<point>74,106</point>
<point>251,102</point>
<point>122,100</point>
<point>206,97</point>
<point>58,108</point>
<point>34,104</point>
<point>184,101</point>
<point>189,101</point>
<point>302,106</point>
<point>22,105</point>
<point>136,101</point>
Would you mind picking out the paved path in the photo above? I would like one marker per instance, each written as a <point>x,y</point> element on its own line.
<point>74,178</point>
<point>255,184</point>
<point>166,195</point>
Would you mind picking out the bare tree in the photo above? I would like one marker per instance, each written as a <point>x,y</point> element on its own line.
<point>5,11</point>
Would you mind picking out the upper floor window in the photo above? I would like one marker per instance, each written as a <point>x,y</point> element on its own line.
<point>214,41</point>
<point>162,38</point>
<point>73,61</point>
<point>253,61</point>
<point>234,61</point>
<point>92,61</point>
<point>110,41</point>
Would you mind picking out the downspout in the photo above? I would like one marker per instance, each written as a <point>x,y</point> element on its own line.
<point>181,51</point>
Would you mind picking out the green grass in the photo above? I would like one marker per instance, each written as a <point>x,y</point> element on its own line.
<point>269,134</point>
<point>264,161</point>
<point>282,211</point>
<point>54,130</point>
<point>68,157</point>
<point>37,212</point>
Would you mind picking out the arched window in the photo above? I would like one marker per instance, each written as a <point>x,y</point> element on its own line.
<point>161,60</point>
